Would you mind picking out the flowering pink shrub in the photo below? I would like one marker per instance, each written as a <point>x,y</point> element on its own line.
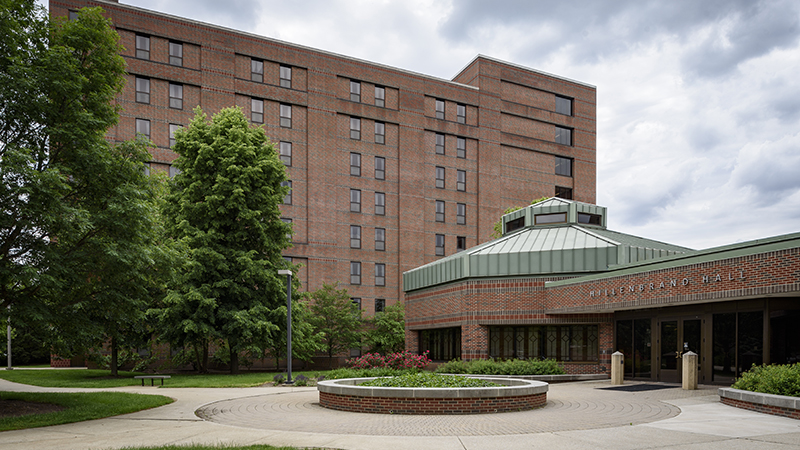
<point>398,361</point>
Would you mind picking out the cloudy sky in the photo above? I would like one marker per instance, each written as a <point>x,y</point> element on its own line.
<point>698,101</point>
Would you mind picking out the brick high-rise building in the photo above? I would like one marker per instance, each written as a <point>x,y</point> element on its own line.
<point>390,169</point>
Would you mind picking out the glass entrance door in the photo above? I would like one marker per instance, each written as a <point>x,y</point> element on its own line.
<point>678,336</point>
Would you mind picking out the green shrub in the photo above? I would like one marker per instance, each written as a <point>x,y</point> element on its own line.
<point>340,373</point>
<point>508,367</point>
<point>771,379</point>
<point>429,380</point>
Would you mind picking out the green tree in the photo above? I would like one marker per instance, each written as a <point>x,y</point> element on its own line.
<point>338,319</point>
<point>224,208</point>
<point>386,332</point>
<point>497,228</point>
<point>306,341</point>
<point>78,236</point>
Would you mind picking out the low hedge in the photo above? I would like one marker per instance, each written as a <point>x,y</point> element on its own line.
<point>771,379</point>
<point>347,372</point>
<point>507,367</point>
<point>429,380</point>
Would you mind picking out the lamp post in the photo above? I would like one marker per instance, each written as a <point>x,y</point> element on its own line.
<point>288,274</point>
<point>8,331</point>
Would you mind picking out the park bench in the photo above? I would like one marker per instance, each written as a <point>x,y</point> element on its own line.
<point>152,378</point>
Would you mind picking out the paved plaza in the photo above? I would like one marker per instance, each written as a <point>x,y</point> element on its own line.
<point>584,415</point>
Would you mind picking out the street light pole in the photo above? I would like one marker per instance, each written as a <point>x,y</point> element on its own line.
<point>288,274</point>
<point>8,331</point>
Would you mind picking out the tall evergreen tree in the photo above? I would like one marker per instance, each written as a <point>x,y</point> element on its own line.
<point>224,209</point>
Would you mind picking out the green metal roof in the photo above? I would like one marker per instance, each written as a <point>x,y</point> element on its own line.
<point>551,249</point>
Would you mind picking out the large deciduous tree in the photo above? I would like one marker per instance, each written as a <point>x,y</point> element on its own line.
<point>386,331</point>
<point>78,230</point>
<point>224,208</point>
<point>337,318</point>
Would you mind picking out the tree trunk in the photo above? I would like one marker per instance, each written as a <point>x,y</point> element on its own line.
<point>330,357</point>
<point>204,368</point>
<point>114,356</point>
<point>234,361</point>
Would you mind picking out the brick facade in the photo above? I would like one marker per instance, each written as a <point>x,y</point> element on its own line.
<point>430,406</point>
<point>509,128</point>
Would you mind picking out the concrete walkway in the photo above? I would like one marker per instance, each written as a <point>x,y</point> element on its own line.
<point>583,415</point>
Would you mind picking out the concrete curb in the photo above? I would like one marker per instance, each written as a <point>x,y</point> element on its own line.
<point>513,388</point>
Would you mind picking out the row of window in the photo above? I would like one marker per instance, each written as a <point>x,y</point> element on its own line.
<point>355,273</point>
<point>257,112</point>
<point>143,50</point>
<point>355,202</point>
<point>355,166</point>
<point>380,238</point>
<point>461,212</point>
<point>461,244</point>
<point>461,111</point>
<point>143,93</point>
<point>461,179</point>
<point>355,130</point>
<point>355,93</point>
<point>461,146</point>
<point>380,305</point>
<point>257,73</point>
<point>143,128</point>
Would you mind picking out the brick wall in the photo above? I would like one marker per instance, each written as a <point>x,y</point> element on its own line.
<point>429,406</point>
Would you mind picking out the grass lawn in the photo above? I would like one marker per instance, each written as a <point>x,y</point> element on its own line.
<point>102,379</point>
<point>78,407</point>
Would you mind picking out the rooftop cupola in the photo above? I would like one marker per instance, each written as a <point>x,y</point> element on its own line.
<point>554,212</point>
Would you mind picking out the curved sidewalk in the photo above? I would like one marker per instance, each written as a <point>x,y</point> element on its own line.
<point>577,416</point>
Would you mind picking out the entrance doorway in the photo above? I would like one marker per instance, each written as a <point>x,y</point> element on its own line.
<point>676,337</point>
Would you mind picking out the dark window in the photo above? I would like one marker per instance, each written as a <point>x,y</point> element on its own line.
<point>380,96</point>
<point>461,213</point>
<point>73,15</point>
<point>355,200</point>
<point>543,219</point>
<point>380,203</point>
<point>380,276</point>
<point>439,144</point>
<point>563,136</point>
<point>439,211</point>
<point>515,224</point>
<point>285,74</point>
<point>461,243</point>
<point>176,96</point>
<point>176,54</point>
<point>357,303</point>
<point>564,192</point>
<point>461,148</point>
<point>564,105</point>
<point>591,219</point>
<point>380,133</point>
<point>380,239</point>
<point>461,180</point>
<point>440,177</point>
<point>289,223</point>
<point>142,90</point>
<point>380,168</point>
<point>355,91</point>
<point>172,129</point>
<point>355,164</point>
<point>559,342</point>
<point>440,109</point>
<point>461,113</point>
<point>286,116</point>
<point>286,153</point>
<point>563,166</point>
<point>355,272</point>
<point>380,304</point>
<point>143,127</point>
<point>287,200</point>
<point>355,128</point>
<point>256,110</point>
<point>173,171</point>
<point>142,47</point>
<point>439,245</point>
<point>257,70</point>
<point>355,236</point>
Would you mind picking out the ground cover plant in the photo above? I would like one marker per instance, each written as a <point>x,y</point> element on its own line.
<point>77,407</point>
<point>90,378</point>
<point>771,379</point>
<point>507,367</point>
<point>430,380</point>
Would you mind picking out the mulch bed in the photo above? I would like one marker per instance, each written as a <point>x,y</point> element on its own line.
<point>16,408</point>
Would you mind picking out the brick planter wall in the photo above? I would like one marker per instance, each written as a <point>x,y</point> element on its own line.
<point>387,405</point>
<point>512,395</point>
<point>777,405</point>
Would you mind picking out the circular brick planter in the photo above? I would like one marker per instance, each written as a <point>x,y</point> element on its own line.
<point>514,395</point>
